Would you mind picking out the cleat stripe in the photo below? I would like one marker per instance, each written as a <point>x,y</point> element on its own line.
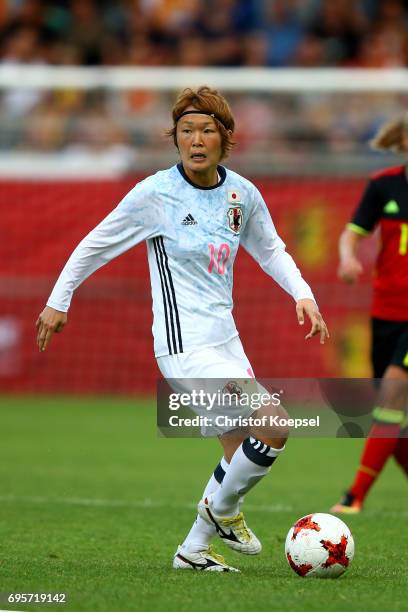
<point>231,536</point>
<point>200,566</point>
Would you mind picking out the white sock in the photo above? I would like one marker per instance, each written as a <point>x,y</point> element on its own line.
<point>201,532</point>
<point>249,464</point>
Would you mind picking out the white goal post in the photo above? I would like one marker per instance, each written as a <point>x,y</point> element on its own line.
<point>227,79</point>
<point>283,112</point>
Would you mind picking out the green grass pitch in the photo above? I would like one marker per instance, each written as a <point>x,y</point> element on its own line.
<point>93,503</point>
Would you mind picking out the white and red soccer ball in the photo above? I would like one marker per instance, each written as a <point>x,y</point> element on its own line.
<point>319,545</point>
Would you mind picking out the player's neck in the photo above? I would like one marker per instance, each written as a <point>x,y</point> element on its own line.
<point>208,178</point>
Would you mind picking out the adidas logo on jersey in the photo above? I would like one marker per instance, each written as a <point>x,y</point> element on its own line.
<point>189,220</point>
<point>391,207</point>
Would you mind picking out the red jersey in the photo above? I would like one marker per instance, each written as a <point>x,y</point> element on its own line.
<point>385,204</point>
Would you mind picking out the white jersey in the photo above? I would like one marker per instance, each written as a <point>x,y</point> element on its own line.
<point>193,234</point>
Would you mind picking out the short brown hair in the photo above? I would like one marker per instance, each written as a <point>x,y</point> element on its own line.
<point>390,136</point>
<point>209,101</point>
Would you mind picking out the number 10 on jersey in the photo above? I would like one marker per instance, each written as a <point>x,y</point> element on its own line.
<point>218,258</point>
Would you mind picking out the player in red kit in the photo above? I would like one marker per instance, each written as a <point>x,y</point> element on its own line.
<point>384,204</point>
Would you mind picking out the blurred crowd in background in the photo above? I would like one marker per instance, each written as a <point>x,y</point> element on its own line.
<point>310,33</point>
<point>231,33</point>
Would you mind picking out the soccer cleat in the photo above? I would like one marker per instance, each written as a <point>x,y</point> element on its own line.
<point>205,561</point>
<point>232,530</point>
<point>348,505</point>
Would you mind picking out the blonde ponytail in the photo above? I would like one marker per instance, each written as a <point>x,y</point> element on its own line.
<point>390,136</point>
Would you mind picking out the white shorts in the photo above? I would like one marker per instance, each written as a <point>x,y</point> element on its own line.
<point>198,369</point>
<point>222,361</point>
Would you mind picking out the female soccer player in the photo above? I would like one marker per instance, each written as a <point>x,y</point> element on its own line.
<point>194,216</point>
<point>384,204</point>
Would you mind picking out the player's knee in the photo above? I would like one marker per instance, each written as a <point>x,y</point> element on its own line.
<point>272,426</point>
<point>394,389</point>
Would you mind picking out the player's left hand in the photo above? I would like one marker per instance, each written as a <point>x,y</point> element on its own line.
<point>310,308</point>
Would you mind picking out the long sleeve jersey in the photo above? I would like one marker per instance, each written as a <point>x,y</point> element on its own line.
<point>192,234</point>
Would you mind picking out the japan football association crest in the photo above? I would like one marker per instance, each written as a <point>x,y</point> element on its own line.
<point>235,219</point>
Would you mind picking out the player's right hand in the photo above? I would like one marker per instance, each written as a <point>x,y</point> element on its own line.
<point>349,270</point>
<point>49,322</point>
